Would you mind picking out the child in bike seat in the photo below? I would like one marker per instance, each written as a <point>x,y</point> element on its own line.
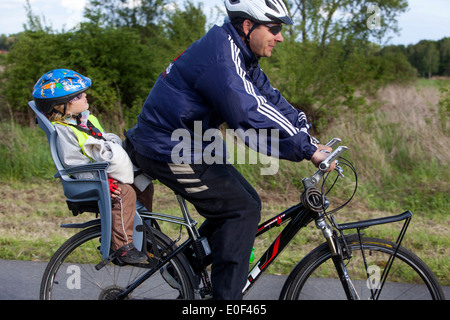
<point>60,95</point>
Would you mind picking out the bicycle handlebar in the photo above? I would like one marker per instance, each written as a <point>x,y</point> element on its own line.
<point>325,165</point>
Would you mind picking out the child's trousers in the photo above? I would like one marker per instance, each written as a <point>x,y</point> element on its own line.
<point>123,209</point>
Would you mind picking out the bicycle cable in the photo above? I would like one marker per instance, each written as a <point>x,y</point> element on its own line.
<point>342,161</point>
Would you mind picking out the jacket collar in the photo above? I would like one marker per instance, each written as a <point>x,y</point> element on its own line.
<point>250,59</point>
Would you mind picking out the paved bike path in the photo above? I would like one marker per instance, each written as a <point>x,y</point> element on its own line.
<point>20,280</point>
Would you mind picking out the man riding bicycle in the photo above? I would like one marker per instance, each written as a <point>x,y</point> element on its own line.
<point>218,79</point>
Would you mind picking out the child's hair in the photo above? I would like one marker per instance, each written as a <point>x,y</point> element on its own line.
<point>59,116</point>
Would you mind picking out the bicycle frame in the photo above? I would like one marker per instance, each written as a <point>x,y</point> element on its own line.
<point>296,218</point>
<point>189,224</point>
<point>299,217</point>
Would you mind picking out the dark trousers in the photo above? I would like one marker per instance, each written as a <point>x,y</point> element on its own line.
<point>232,210</point>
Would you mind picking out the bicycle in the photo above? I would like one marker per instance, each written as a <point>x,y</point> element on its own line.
<point>364,268</point>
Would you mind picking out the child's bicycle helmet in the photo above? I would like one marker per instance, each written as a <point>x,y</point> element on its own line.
<point>57,87</point>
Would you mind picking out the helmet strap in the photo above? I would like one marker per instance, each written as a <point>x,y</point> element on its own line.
<point>54,110</point>
<point>247,37</point>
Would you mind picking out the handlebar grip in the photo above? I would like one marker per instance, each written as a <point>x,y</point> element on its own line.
<point>325,165</point>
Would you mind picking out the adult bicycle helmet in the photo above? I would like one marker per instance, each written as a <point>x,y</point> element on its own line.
<point>57,87</point>
<point>260,11</point>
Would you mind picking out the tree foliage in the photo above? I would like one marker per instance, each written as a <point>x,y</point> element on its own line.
<point>121,48</point>
<point>125,13</point>
<point>329,59</point>
<point>430,57</point>
<point>322,21</point>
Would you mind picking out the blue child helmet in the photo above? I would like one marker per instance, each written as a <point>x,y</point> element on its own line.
<point>57,87</point>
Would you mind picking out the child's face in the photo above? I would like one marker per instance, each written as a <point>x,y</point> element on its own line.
<point>78,104</point>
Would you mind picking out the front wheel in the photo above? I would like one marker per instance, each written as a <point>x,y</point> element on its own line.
<point>71,273</point>
<point>409,278</point>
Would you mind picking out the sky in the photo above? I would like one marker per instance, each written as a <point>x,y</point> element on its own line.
<point>424,20</point>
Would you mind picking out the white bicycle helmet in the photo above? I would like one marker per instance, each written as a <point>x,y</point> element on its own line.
<point>261,11</point>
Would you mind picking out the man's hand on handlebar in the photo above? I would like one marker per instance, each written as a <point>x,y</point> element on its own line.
<point>321,154</point>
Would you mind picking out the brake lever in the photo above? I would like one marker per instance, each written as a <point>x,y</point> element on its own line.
<point>333,141</point>
<point>330,143</point>
<point>339,170</point>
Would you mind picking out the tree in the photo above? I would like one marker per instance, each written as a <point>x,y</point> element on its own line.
<point>327,60</point>
<point>444,59</point>
<point>5,42</point>
<point>35,23</point>
<point>431,60</point>
<point>123,61</point>
<point>323,21</point>
<point>184,26</point>
<point>124,13</point>
<point>424,56</point>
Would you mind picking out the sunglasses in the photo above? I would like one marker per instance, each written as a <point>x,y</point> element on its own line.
<point>274,28</point>
<point>77,97</point>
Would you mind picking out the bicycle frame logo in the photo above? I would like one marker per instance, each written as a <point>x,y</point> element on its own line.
<point>209,147</point>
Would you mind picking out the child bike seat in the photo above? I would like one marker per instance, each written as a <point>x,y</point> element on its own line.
<point>83,195</point>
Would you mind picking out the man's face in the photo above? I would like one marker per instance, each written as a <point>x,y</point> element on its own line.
<point>262,39</point>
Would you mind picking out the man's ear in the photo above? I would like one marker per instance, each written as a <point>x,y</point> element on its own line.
<point>247,26</point>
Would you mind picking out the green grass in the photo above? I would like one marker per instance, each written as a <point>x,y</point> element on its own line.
<point>24,152</point>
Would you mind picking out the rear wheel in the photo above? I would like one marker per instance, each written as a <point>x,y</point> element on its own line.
<point>71,273</point>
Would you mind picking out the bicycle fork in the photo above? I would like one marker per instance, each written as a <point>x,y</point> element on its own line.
<point>336,256</point>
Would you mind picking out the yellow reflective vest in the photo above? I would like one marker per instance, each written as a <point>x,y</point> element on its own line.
<point>81,135</point>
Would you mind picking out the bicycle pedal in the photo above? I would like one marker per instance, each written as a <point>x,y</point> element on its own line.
<point>205,294</point>
<point>109,259</point>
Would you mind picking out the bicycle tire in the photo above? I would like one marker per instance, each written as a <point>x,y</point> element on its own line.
<point>315,277</point>
<point>71,274</point>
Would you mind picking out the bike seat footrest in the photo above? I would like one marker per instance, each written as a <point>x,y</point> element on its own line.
<point>109,259</point>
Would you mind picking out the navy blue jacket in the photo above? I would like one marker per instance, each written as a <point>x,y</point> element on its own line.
<point>217,79</point>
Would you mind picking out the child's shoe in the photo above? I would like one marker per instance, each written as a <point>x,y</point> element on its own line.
<point>128,254</point>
